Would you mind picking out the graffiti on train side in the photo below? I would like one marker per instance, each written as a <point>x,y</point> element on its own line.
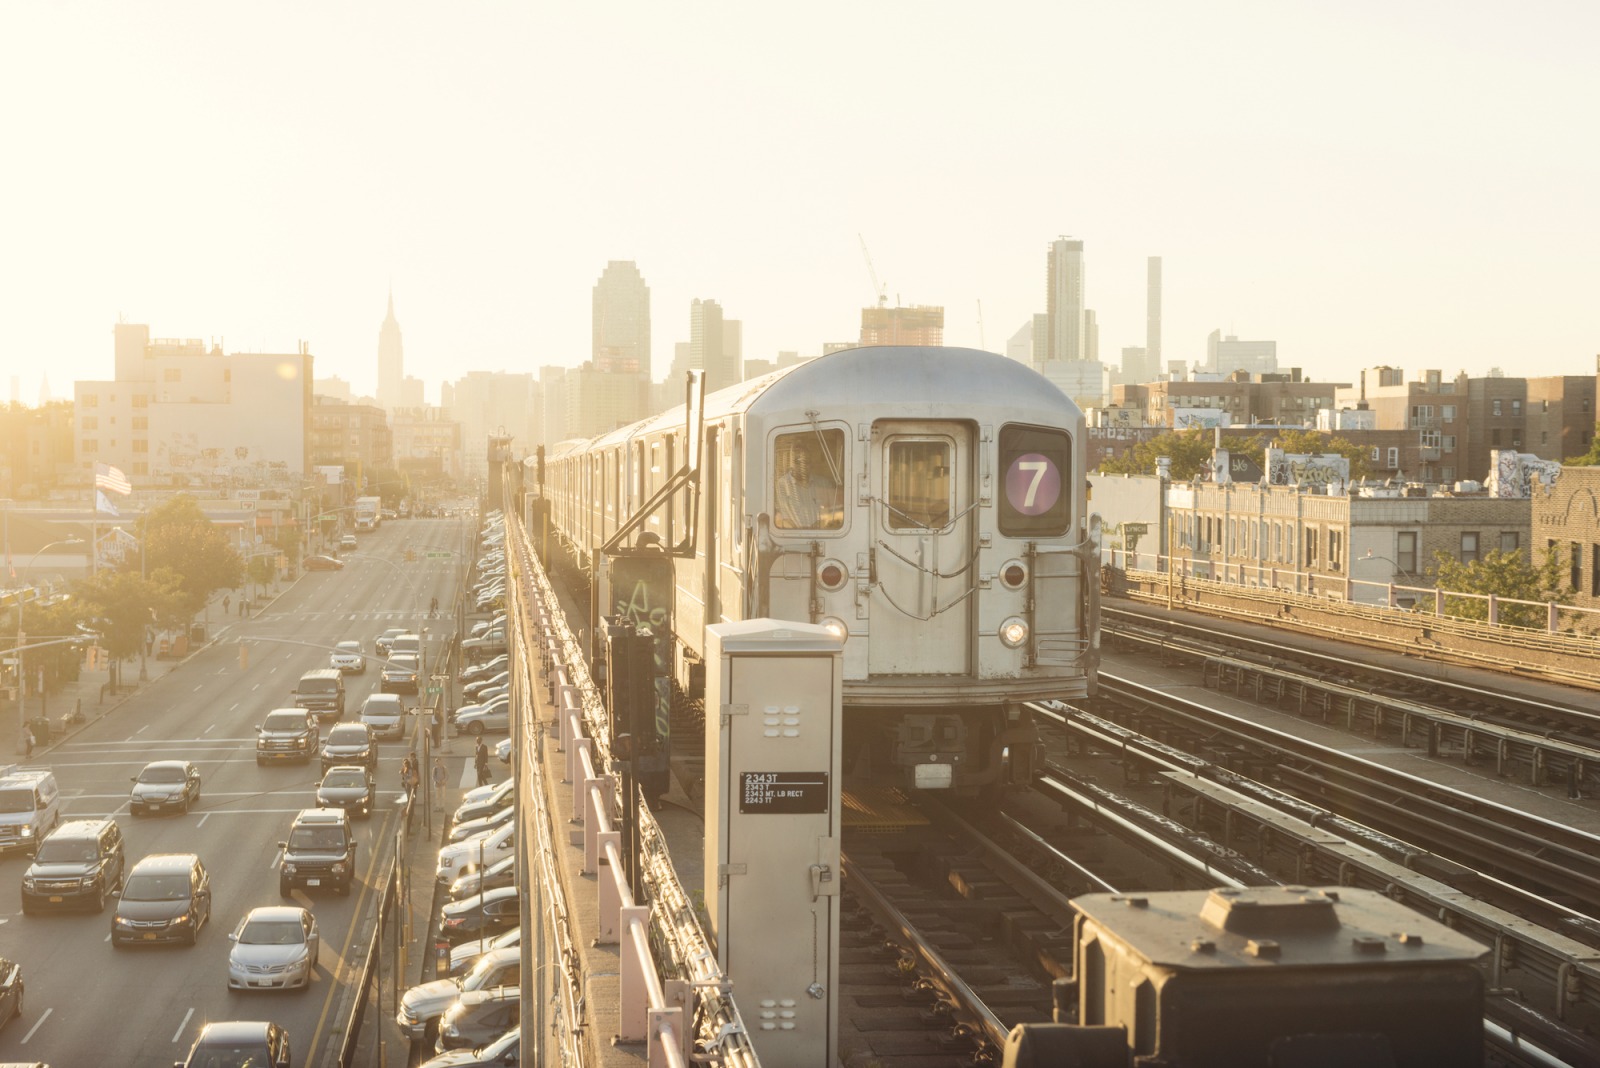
<point>642,595</point>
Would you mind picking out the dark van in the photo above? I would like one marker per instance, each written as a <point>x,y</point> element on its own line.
<point>322,692</point>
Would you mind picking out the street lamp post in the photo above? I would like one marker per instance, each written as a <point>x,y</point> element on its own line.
<point>22,637</point>
<point>1370,555</point>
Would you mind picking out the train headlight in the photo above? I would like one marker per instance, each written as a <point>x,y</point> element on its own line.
<point>1013,632</point>
<point>832,575</point>
<point>836,627</point>
<point>1013,574</point>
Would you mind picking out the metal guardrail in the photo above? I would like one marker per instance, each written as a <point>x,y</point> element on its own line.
<point>1239,575</point>
<point>664,937</point>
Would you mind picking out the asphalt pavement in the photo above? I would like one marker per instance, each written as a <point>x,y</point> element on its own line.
<point>74,705</point>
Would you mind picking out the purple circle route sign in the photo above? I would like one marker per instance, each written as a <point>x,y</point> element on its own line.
<point>1033,484</point>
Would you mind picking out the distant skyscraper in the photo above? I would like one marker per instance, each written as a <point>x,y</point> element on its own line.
<point>916,325</point>
<point>1020,345</point>
<point>1152,315</point>
<point>1064,304</point>
<point>1091,335</point>
<point>1225,355</point>
<point>1041,338</point>
<point>391,362</point>
<point>622,319</point>
<point>707,345</point>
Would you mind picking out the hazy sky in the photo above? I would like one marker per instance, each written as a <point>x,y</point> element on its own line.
<point>1363,182</point>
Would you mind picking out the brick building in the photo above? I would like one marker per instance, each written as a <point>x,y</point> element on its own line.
<point>1287,535</point>
<point>1461,420</point>
<point>1282,399</point>
<point>1568,520</point>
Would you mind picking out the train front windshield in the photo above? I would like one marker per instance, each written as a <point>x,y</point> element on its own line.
<point>808,486</point>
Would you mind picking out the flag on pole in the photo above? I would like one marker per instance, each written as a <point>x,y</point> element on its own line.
<point>110,478</point>
<point>102,503</point>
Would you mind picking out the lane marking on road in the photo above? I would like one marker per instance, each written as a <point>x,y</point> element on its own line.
<point>183,1026</point>
<point>236,704</point>
<point>42,1018</point>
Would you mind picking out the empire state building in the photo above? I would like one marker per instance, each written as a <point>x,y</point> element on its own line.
<point>391,362</point>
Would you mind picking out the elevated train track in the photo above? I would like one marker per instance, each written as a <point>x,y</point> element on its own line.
<point>1542,741</point>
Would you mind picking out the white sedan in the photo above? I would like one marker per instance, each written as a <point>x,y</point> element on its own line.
<point>348,658</point>
<point>274,948</point>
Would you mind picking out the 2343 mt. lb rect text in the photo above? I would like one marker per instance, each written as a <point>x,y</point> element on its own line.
<point>783,792</point>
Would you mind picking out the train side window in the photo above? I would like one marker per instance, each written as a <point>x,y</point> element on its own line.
<point>1035,501</point>
<point>806,491</point>
<point>919,485</point>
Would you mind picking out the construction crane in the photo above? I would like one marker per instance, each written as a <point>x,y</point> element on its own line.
<point>877,287</point>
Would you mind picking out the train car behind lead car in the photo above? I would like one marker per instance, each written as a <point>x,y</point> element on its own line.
<point>926,503</point>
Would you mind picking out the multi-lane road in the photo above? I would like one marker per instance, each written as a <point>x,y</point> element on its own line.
<point>88,1003</point>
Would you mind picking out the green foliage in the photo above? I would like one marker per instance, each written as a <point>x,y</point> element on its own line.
<point>263,569</point>
<point>44,622</point>
<point>1190,451</point>
<point>1298,440</point>
<point>1590,458</point>
<point>1505,575</point>
<point>179,538</point>
<point>121,604</point>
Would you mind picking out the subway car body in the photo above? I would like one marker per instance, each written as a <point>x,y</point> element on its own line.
<point>928,504</point>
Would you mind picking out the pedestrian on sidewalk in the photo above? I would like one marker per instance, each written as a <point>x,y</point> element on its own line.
<point>440,777</point>
<point>25,741</point>
<point>480,762</point>
<point>226,603</point>
<point>411,779</point>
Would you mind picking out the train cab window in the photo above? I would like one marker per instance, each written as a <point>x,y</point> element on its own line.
<point>1035,465</point>
<point>807,492</point>
<point>919,485</point>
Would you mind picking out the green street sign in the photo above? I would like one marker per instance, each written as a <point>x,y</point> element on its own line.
<point>433,691</point>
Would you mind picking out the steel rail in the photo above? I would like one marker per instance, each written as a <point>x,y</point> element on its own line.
<point>1564,856</point>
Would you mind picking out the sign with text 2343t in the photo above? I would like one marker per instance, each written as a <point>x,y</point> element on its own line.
<point>783,792</point>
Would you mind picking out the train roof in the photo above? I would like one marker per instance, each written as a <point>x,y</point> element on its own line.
<point>887,374</point>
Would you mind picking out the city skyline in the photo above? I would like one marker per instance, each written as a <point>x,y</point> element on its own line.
<point>1361,186</point>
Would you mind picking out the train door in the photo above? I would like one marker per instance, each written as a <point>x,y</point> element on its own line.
<point>922,532</point>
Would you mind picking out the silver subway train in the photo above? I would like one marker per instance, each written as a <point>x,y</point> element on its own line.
<point>926,503</point>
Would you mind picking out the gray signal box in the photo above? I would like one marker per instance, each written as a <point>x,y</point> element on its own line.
<point>772,831</point>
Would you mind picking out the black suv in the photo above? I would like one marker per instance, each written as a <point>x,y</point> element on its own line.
<point>321,851</point>
<point>78,865</point>
<point>287,734</point>
<point>322,691</point>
